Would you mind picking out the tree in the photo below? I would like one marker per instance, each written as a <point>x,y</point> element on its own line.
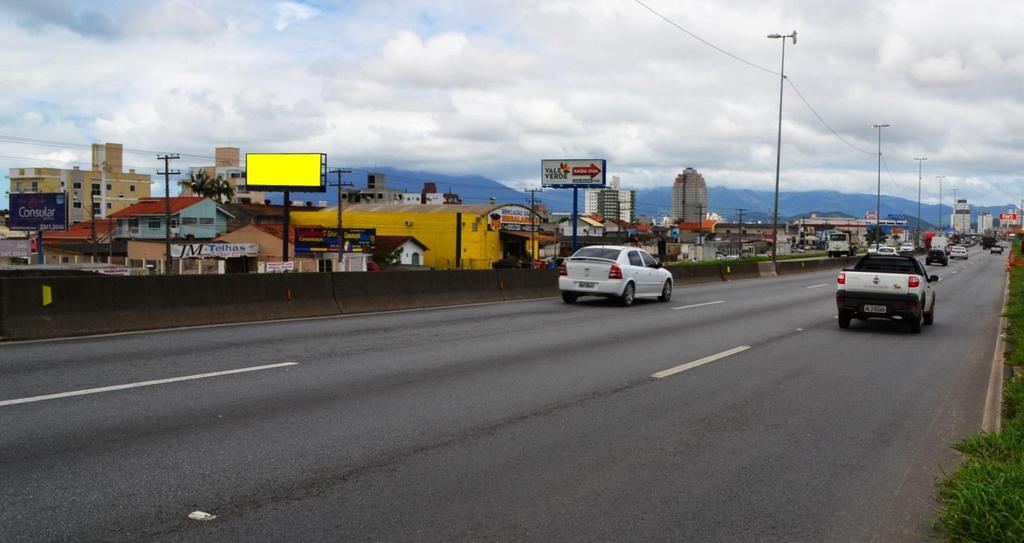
<point>201,184</point>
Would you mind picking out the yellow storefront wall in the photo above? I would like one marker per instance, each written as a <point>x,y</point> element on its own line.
<point>435,226</point>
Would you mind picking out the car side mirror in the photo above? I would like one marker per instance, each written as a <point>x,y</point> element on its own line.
<point>656,265</point>
<point>933,278</point>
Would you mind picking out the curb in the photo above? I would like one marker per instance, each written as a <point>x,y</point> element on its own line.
<point>991,421</point>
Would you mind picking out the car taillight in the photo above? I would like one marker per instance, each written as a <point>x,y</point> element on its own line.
<point>562,270</point>
<point>615,272</point>
<point>914,281</point>
<point>841,279</point>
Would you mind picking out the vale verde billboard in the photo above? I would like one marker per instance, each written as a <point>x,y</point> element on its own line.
<point>39,211</point>
<point>579,173</point>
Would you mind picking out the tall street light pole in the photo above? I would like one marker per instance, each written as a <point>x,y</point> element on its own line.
<point>940,178</point>
<point>778,145</point>
<point>917,237</point>
<point>878,201</point>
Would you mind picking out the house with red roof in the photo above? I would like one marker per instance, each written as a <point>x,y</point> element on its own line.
<point>191,218</point>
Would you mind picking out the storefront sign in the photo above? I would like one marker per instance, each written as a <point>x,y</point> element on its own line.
<point>316,239</point>
<point>359,240</point>
<point>39,211</point>
<point>511,219</point>
<point>215,250</point>
<point>12,248</point>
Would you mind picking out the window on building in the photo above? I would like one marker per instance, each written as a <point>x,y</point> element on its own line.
<point>110,187</point>
<point>476,226</point>
<point>77,205</point>
<point>63,259</point>
<point>18,187</point>
<point>206,220</point>
<point>35,186</point>
<point>95,209</point>
<point>133,223</point>
<point>325,266</point>
<point>76,185</point>
<point>154,223</point>
<point>96,189</point>
<point>108,205</point>
<point>188,220</point>
<point>131,188</point>
<point>174,223</point>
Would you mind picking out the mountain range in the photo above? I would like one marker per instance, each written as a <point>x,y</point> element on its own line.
<point>656,202</point>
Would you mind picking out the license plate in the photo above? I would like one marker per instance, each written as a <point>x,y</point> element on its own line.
<point>875,309</point>
<point>586,284</point>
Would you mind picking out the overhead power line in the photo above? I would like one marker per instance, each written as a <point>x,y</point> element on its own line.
<point>706,42</point>
<point>823,121</point>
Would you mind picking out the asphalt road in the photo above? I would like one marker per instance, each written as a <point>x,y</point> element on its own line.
<point>532,421</point>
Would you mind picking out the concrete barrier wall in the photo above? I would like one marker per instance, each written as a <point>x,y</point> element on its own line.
<point>696,274</point>
<point>525,284</point>
<point>98,304</point>
<point>369,292</point>
<point>746,270</point>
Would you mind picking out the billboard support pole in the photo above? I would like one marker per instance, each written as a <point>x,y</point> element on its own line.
<point>284,232</point>
<point>39,252</point>
<point>575,216</point>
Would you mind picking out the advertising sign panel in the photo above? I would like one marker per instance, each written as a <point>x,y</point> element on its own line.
<point>11,248</point>
<point>1007,217</point>
<point>511,219</point>
<point>215,250</point>
<point>359,240</point>
<point>279,267</point>
<point>39,211</point>
<point>576,173</point>
<point>316,239</point>
<point>300,172</point>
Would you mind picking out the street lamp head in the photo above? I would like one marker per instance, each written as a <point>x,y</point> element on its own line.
<point>793,35</point>
<point>880,126</point>
<point>774,36</point>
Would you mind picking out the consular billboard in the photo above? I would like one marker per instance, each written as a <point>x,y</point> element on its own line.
<point>37,211</point>
<point>299,172</point>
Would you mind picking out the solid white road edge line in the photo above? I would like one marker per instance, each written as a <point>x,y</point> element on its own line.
<point>819,286</point>
<point>697,363</point>
<point>699,305</point>
<point>991,419</point>
<point>139,384</point>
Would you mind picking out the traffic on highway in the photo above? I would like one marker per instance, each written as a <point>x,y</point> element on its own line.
<point>739,402</point>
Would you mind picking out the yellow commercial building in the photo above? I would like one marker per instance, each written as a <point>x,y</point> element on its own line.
<point>458,236</point>
<point>93,193</point>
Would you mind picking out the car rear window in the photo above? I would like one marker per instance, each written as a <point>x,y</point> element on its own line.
<point>886,265</point>
<point>598,252</point>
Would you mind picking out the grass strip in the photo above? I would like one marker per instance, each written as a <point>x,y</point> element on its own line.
<point>983,499</point>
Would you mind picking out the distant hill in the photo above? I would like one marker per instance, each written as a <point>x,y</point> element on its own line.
<point>656,202</point>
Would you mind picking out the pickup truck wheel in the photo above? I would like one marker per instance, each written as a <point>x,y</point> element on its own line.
<point>844,319</point>
<point>666,292</point>
<point>628,295</point>
<point>570,297</point>
<point>929,317</point>
<point>915,324</point>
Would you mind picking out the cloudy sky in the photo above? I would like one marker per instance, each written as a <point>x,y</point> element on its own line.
<point>494,86</point>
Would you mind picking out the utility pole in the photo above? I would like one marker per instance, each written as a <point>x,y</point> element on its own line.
<point>700,224</point>
<point>167,173</point>
<point>740,211</point>
<point>878,202</point>
<point>778,145</point>
<point>338,235</point>
<point>940,178</point>
<point>918,236</point>
<point>533,213</point>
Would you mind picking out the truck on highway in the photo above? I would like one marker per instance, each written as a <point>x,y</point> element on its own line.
<point>940,242</point>
<point>839,244</point>
<point>987,242</point>
<point>886,287</point>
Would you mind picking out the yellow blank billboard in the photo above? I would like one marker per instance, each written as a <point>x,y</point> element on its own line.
<point>301,172</point>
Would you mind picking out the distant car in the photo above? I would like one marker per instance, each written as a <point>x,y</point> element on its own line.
<point>887,250</point>
<point>613,271</point>
<point>958,251</point>
<point>872,250</point>
<point>906,249</point>
<point>996,249</point>
<point>937,256</point>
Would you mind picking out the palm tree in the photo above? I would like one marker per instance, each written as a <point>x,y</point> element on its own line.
<point>201,184</point>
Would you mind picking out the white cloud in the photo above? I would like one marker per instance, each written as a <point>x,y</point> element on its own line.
<point>289,13</point>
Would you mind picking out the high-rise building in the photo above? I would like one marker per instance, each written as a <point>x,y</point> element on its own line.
<point>984,222</point>
<point>689,196</point>
<point>611,202</point>
<point>961,219</point>
<point>94,193</point>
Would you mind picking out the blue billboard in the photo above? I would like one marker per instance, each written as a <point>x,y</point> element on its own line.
<point>39,211</point>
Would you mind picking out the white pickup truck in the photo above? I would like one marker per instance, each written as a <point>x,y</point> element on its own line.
<point>886,287</point>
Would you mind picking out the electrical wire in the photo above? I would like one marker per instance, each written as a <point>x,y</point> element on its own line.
<point>822,119</point>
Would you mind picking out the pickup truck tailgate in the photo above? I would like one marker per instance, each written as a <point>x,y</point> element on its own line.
<point>878,283</point>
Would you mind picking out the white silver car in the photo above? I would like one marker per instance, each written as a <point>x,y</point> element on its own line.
<point>888,250</point>
<point>958,251</point>
<point>614,271</point>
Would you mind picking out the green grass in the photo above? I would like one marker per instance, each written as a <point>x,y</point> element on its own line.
<point>983,499</point>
